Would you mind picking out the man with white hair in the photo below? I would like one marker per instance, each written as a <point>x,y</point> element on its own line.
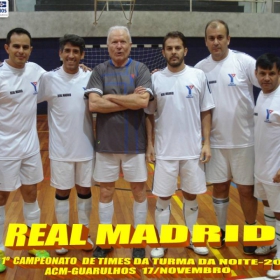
<point>120,127</point>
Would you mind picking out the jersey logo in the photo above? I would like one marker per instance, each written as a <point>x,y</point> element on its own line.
<point>190,91</point>
<point>231,76</point>
<point>34,84</point>
<point>64,95</point>
<point>268,113</point>
<point>167,93</point>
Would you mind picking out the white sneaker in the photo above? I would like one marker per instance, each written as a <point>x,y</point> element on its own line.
<point>199,250</point>
<point>91,243</point>
<point>158,252</point>
<point>61,251</point>
<point>272,273</point>
<point>265,250</point>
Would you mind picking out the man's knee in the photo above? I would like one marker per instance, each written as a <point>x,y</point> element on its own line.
<point>221,189</point>
<point>83,190</point>
<point>4,197</point>
<point>246,191</point>
<point>139,191</point>
<point>63,193</point>
<point>29,193</point>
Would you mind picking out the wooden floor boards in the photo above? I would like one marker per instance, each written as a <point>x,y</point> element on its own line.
<point>123,203</point>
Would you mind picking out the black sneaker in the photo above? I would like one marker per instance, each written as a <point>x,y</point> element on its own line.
<point>249,250</point>
<point>138,253</point>
<point>222,240</point>
<point>101,253</point>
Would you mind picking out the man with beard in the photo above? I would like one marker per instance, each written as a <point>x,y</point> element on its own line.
<point>183,104</point>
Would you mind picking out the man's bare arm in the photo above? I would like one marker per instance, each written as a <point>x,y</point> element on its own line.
<point>150,124</point>
<point>99,104</point>
<point>206,120</point>
<point>133,101</point>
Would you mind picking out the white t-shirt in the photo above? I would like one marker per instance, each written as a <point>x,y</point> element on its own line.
<point>18,110</point>
<point>267,136</point>
<point>231,81</point>
<point>70,122</point>
<point>179,99</point>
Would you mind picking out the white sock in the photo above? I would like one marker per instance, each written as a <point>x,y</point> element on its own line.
<point>269,219</point>
<point>277,238</point>
<point>31,213</point>
<point>62,211</point>
<point>106,211</point>
<point>221,209</point>
<point>140,210</point>
<point>2,223</point>
<point>84,209</point>
<point>190,211</point>
<point>162,213</point>
<point>269,216</point>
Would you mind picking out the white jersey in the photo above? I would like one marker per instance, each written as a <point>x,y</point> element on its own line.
<point>18,110</point>
<point>267,135</point>
<point>179,99</point>
<point>231,80</point>
<point>70,122</point>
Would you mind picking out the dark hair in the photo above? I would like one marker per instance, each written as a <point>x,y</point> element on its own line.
<point>74,40</point>
<point>175,34</point>
<point>17,30</point>
<point>267,61</point>
<point>214,24</point>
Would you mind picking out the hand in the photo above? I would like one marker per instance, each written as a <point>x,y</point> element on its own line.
<point>155,70</point>
<point>84,67</point>
<point>140,90</point>
<point>205,154</point>
<point>276,178</point>
<point>150,154</point>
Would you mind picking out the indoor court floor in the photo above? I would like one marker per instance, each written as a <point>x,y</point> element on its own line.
<point>123,205</point>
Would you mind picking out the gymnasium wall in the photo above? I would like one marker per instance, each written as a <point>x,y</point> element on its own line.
<point>144,24</point>
<point>251,33</point>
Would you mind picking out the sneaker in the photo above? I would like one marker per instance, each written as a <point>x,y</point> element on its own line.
<point>265,250</point>
<point>249,250</point>
<point>91,243</point>
<point>138,253</point>
<point>2,266</point>
<point>199,250</point>
<point>61,251</point>
<point>101,253</point>
<point>222,240</point>
<point>39,253</point>
<point>158,252</point>
<point>272,273</point>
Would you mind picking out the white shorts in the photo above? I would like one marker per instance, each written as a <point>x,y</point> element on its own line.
<point>231,164</point>
<point>270,193</point>
<point>66,174</point>
<point>14,173</point>
<point>107,167</point>
<point>191,172</point>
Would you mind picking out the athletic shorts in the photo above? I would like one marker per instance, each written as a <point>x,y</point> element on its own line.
<point>66,174</point>
<point>231,164</point>
<point>107,167</point>
<point>14,173</point>
<point>191,172</point>
<point>271,193</point>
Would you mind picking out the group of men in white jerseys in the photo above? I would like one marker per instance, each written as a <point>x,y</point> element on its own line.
<point>213,101</point>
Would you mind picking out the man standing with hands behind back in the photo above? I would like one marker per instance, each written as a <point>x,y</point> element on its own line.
<point>231,76</point>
